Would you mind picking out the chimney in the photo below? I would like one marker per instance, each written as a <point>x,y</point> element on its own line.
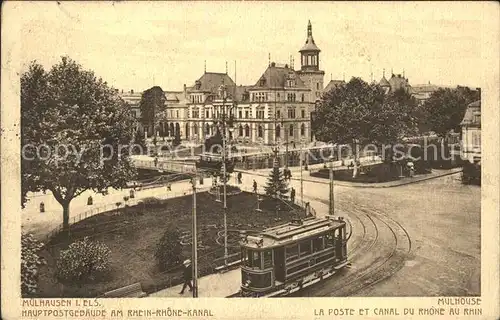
<point>132,91</point>
<point>185,90</point>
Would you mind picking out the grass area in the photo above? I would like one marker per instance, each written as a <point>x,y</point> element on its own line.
<point>132,234</point>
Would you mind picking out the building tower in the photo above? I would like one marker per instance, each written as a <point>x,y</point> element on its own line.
<point>309,70</point>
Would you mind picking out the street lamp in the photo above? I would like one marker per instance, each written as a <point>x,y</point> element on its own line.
<point>332,205</point>
<point>224,122</point>
<point>194,242</point>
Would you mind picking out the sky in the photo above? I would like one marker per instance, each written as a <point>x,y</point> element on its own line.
<point>135,45</point>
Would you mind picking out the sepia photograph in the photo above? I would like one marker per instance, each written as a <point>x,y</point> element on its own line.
<point>245,150</point>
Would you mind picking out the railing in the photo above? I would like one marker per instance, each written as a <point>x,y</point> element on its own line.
<point>169,166</point>
<point>160,194</point>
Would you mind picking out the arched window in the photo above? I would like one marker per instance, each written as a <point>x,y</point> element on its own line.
<point>240,131</point>
<point>261,133</point>
<point>187,130</point>
<point>247,131</point>
<point>278,114</point>
<point>195,129</point>
<point>302,129</point>
<point>171,131</point>
<point>278,131</point>
<point>290,130</point>
<point>207,128</point>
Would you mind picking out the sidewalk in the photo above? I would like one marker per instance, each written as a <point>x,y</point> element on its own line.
<point>389,184</point>
<point>216,285</point>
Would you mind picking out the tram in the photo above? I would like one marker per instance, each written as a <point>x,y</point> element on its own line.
<point>286,258</point>
<point>213,162</point>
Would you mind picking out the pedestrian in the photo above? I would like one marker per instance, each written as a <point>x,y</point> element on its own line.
<point>188,276</point>
<point>292,195</point>
<point>289,174</point>
<point>254,186</point>
<point>240,175</point>
<point>169,186</point>
<point>156,161</point>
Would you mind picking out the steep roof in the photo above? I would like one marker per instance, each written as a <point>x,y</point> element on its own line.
<point>473,109</point>
<point>333,84</point>
<point>384,83</point>
<point>211,81</point>
<point>275,76</point>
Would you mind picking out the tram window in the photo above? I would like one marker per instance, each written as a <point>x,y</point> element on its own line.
<point>292,252</point>
<point>329,240</point>
<point>337,233</point>
<point>305,248</point>
<point>255,259</point>
<point>318,244</point>
<point>267,258</point>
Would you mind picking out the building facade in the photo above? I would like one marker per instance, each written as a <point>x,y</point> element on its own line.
<point>471,133</point>
<point>275,109</point>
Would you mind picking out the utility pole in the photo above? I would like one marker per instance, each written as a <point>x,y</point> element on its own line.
<point>332,208</point>
<point>301,181</point>
<point>224,177</point>
<point>195,242</point>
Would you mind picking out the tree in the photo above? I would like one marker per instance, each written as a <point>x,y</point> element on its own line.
<point>357,114</point>
<point>169,249</point>
<point>152,106</point>
<point>30,261</point>
<point>276,186</point>
<point>139,142</point>
<point>445,109</point>
<point>83,260</point>
<point>75,133</point>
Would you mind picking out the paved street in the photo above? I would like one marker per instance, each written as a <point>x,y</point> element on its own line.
<point>441,217</point>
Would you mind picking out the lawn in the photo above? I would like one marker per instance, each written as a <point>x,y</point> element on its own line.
<point>132,234</point>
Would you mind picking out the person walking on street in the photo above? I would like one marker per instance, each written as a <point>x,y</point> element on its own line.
<point>239,177</point>
<point>169,186</point>
<point>156,161</point>
<point>188,276</point>
<point>292,195</point>
<point>254,186</point>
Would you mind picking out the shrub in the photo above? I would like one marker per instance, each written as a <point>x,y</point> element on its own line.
<point>30,260</point>
<point>169,249</point>
<point>83,260</point>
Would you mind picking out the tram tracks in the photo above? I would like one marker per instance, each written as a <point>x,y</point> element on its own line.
<point>392,247</point>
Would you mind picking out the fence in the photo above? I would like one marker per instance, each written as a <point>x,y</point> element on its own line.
<point>160,194</point>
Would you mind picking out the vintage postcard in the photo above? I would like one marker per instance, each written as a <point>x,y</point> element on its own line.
<point>193,160</point>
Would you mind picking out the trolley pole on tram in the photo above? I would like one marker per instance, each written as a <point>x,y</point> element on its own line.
<point>332,205</point>
<point>195,242</point>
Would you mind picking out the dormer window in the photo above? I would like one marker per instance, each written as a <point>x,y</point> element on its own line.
<point>262,82</point>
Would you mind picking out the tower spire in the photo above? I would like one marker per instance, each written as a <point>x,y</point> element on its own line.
<point>226,67</point>
<point>383,73</point>
<point>205,69</point>
<point>269,59</point>
<point>309,29</point>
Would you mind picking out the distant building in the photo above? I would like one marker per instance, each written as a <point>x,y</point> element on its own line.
<point>275,110</point>
<point>333,84</point>
<point>471,132</point>
<point>395,82</point>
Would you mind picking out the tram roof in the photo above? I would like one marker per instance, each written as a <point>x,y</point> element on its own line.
<point>291,231</point>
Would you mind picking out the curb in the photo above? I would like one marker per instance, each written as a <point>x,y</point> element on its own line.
<point>374,185</point>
